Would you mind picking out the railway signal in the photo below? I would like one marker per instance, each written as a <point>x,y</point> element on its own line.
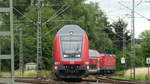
<point>148,62</point>
<point>123,61</point>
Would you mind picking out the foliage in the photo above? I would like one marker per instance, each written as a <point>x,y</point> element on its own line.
<point>120,33</point>
<point>29,73</point>
<point>87,15</point>
<point>121,39</point>
<point>145,47</point>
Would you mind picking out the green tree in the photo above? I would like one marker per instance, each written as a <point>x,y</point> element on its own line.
<point>119,33</point>
<point>87,15</point>
<point>145,41</point>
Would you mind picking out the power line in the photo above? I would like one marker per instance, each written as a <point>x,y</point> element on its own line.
<point>30,20</point>
<point>61,10</point>
<point>52,30</point>
<point>134,11</point>
<point>139,3</point>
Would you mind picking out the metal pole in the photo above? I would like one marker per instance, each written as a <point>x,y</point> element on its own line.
<point>12,40</point>
<point>0,56</point>
<point>124,70</point>
<point>124,48</point>
<point>148,71</point>
<point>21,63</point>
<point>39,40</point>
<point>133,44</point>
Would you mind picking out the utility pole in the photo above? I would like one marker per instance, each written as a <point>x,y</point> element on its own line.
<point>10,34</point>
<point>124,49</point>
<point>124,42</point>
<point>39,32</point>
<point>0,56</point>
<point>132,58</point>
<point>21,63</point>
<point>39,39</point>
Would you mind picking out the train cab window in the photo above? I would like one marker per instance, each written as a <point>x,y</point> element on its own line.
<point>71,47</point>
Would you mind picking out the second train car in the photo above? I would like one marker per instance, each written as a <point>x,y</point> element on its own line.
<point>94,61</point>
<point>107,63</point>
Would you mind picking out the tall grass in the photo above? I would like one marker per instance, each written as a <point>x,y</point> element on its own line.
<point>141,75</point>
<point>30,73</point>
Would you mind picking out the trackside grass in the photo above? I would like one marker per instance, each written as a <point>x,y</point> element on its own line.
<point>141,74</point>
<point>30,73</point>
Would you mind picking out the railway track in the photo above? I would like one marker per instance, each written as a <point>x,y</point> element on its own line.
<point>96,80</point>
<point>47,81</point>
<point>108,79</point>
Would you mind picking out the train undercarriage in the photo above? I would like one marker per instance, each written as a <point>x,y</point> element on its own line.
<point>70,71</point>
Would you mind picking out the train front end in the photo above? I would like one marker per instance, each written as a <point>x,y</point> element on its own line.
<point>71,56</point>
<point>107,64</point>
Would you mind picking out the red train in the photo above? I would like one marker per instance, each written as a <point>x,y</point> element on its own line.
<point>107,63</point>
<point>71,55</point>
<point>94,61</point>
<point>101,63</point>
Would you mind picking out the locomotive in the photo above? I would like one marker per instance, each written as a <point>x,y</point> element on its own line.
<point>107,63</point>
<point>71,55</point>
<point>94,61</point>
<point>101,63</point>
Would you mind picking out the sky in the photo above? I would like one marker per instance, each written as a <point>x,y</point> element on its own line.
<point>114,10</point>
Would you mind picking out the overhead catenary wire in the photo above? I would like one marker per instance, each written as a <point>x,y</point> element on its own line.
<point>139,3</point>
<point>58,26</point>
<point>55,15</point>
<point>30,20</point>
<point>134,11</point>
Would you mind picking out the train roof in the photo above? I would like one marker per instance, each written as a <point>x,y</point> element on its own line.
<point>67,29</point>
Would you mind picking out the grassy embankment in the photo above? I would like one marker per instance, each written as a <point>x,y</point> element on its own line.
<point>31,73</point>
<point>141,74</point>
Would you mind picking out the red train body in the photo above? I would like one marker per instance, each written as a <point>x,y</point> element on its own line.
<point>107,63</point>
<point>71,55</point>
<point>94,61</point>
<point>101,63</point>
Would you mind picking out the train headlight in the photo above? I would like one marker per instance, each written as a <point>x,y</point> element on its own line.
<point>56,67</point>
<point>86,63</point>
<point>66,55</point>
<point>57,62</point>
<point>88,67</point>
<point>78,55</point>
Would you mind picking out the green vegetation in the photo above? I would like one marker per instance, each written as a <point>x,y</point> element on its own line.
<point>103,36</point>
<point>141,74</point>
<point>30,73</point>
<point>121,77</point>
<point>138,77</point>
<point>87,15</point>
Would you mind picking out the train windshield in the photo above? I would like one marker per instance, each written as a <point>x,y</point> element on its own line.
<point>71,46</point>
